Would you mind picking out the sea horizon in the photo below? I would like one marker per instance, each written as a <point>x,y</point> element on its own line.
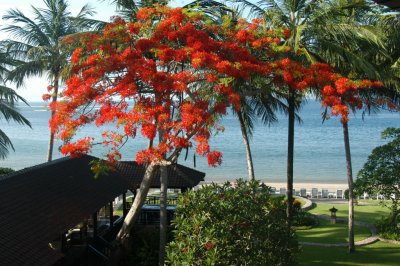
<point>319,147</point>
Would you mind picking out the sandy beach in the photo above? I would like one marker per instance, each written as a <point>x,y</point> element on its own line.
<point>331,187</point>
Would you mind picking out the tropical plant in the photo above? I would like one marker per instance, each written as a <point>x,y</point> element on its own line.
<point>380,175</point>
<point>128,9</point>
<point>156,63</point>
<point>4,170</point>
<point>332,32</point>
<point>8,104</point>
<point>259,99</point>
<point>37,43</point>
<point>222,225</point>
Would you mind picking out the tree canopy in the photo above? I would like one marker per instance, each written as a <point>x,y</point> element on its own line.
<point>381,173</point>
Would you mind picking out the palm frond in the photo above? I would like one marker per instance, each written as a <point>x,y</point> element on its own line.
<point>5,145</point>
<point>30,33</point>
<point>26,70</point>
<point>8,98</point>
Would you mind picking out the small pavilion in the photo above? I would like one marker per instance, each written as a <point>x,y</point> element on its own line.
<point>41,205</point>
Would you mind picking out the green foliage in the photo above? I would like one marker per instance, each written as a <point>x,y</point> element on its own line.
<point>389,229</point>
<point>143,247</point>
<point>303,218</point>
<point>381,173</point>
<point>222,225</point>
<point>4,171</point>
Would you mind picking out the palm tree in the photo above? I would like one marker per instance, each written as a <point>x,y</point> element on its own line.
<point>258,97</point>
<point>37,43</point>
<point>8,104</point>
<point>128,8</point>
<point>292,15</point>
<point>317,36</point>
<point>263,105</point>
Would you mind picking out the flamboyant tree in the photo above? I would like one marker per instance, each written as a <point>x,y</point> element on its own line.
<point>341,97</point>
<point>159,62</point>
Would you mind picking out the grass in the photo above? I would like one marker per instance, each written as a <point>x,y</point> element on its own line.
<point>326,232</point>
<point>367,213</point>
<point>379,253</point>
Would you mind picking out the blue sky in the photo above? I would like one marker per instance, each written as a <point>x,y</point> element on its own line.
<point>34,88</point>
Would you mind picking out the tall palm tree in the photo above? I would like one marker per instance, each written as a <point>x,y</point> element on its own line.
<point>258,97</point>
<point>128,8</point>
<point>8,104</point>
<point>292,15</point>
<point>362,54</point>
<point>317,36</point>
<point>36,42</point>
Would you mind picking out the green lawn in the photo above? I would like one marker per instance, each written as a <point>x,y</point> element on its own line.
<point>379,253</point>
<point>326,232</point>
<point>367,213</point>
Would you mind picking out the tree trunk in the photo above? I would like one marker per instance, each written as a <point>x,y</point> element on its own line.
<point>51,140</point>
<point>245,137</point>
<point>137,203</point>
<point>290,157</point>
<point>163,213</point>
<point>350,182</point>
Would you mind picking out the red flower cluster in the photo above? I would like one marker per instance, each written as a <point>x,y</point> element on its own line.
<point>160,66</point>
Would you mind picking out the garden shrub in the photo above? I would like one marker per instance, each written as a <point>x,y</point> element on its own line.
<point>296,205</point>
<point>4,171</point>
<point>222,225</point>
<point>303,218</point>
<point>143,248</point>
<point>389,229</point>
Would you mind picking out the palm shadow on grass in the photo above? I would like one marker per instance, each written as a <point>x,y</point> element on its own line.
<point>376,254</point>
<point>329,233</point>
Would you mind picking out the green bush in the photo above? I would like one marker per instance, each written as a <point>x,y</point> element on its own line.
<point>389,229</point>
<point>303,218</point>
<point>4,171</point>
<point>222,225</point>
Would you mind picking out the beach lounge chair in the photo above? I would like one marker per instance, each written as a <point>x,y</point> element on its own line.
<point>314,192</point>
<point>324,193</point>
<point>303,192</point>
<point>380,197</point>
<point>282,191</point>
<point>339,194</point>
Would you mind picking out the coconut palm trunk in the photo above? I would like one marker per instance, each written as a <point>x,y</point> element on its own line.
<point>137,204</point>
<point>163,212</point>
<point>350,183</point>
<point>290,156</point>
<point>53,100</point>
<point>245,137</point>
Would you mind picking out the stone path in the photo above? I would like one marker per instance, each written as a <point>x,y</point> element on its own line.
<point>372,239</point>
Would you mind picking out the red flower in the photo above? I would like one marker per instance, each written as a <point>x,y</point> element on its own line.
<point>214,158</point>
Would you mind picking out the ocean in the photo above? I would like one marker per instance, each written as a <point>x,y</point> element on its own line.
<point>319,147</point>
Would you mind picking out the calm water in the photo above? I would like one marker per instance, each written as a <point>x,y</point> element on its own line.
<point>319,148</point>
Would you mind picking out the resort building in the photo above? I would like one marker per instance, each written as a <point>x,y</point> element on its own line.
<point>59,213</point>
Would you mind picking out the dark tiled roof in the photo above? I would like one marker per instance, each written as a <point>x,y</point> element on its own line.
<point>39,203</point>
<point>179,176</point>
<point>395,4</point>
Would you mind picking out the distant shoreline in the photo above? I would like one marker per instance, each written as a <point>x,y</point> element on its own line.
<point>330,186</point>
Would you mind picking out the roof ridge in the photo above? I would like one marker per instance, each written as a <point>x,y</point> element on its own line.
<point>39,166</point>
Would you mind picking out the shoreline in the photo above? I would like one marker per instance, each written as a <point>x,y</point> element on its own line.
<point>330,186</point>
